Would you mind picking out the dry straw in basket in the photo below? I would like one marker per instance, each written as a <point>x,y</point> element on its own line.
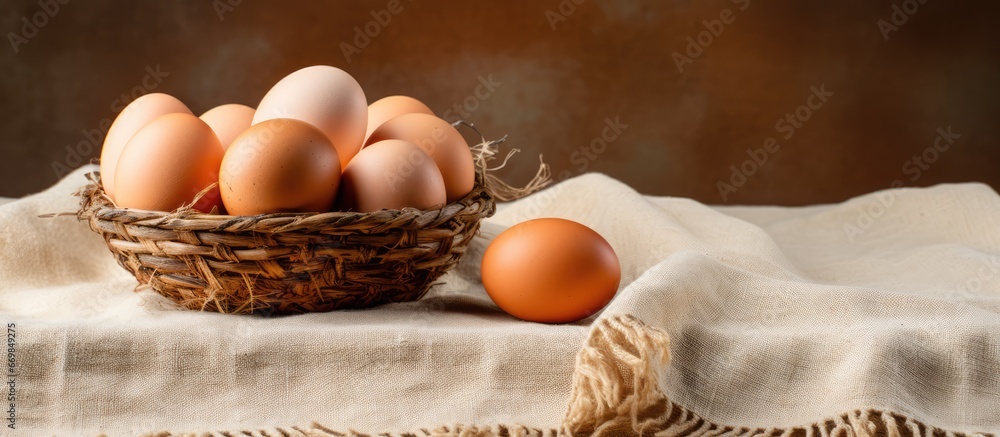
<point>288,263</point>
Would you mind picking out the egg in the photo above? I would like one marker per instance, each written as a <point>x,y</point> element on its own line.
<point>167,162</point>
<point>280,165</point>
<point>228,121</point>
<point>136,115</point>
<point>391,174</point>
<point>550,270</point>
<point>442,142</point>
<point>325,97</point>
<point>387,108</point>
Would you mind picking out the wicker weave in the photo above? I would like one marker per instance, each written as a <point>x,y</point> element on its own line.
<point>288,262</point>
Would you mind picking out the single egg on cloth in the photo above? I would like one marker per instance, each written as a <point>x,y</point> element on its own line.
<point>228,121</point>
<point>167,162</point>
<point>391,174</point>
<point>441,141</point>
<point>384,109</point>
<point>550,270</point>
<point>323,96</point>
<point>280,165</point>
<point>136,115</point>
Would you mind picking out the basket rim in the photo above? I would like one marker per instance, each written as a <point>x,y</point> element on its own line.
<point>96,204</point>
<point>479,203</point>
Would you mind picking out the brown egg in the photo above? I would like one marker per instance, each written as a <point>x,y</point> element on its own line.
<point>228,121</point>
<point>391,174</point>
<point>136,115</point>
<point>387,108</point>
<point>325,97</point>
<point>167,162</point>
<point>550,270</point>
<point>280,165</point>
<point>441,141</point>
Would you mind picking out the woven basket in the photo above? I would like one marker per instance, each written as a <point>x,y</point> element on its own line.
<point>290,263</point>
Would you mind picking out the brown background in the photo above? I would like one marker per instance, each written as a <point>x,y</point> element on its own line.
<point>606,59</point>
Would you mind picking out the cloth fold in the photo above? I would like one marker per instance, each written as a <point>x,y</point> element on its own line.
<point>881,314</point>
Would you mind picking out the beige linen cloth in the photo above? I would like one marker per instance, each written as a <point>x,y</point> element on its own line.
<point>877,316</point>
